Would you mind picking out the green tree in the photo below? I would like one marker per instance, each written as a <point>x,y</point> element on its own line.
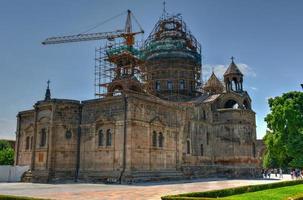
<point>6,153</point>
<point>284,140</point>
<point>4,144</point>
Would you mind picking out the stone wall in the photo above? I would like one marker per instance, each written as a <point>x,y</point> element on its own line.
<point>162,139</point>
<point>24,138</point>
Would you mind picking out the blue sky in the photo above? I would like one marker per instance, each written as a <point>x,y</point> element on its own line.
<point>264,36</point>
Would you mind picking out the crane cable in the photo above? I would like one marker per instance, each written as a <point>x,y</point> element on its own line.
<point>141,29</point>
<point>103,22</point>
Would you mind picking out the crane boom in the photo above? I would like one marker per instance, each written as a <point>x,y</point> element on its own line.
<point>83,37</point>
<point>127,34</point>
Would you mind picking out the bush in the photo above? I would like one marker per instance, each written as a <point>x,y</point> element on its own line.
<point>7,156</point>
<point>231,191</point>
<point>297,197</point>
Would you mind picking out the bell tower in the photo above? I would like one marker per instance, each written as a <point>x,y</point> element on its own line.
<point>233,78</point>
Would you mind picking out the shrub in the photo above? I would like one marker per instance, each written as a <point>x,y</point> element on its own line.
<point>231,191</point>
<point>7,156</point>
<point>297,197</point>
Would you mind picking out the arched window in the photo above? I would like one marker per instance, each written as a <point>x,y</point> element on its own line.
<point>27,143</point>
<point>181,84</point>
<point>158,86</point>
<point>117,93</point>
<point>201,150</point>
<point>108,138</point>
<point>68,134</point>
<point>188,147</point>
<point>231,104</point>
<point>192,86</point>
<point>204,115</point>
<point>31,142</point>
<point>43,137</point>
<point>154,139</point>
<point>254,149</point>
<point>161,138</point>
<point>207,138</point>
<point>169,85</point>
<point>100,138</point>
<point>234,84</point>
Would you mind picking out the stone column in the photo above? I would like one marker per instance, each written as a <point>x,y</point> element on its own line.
<point>35,139</point>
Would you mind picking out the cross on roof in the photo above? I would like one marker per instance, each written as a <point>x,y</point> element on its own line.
<point>232,59</point>
<point>164,6</point>
<point>48,82</point>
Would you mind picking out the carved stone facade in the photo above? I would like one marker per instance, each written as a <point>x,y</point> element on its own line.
<point>137,136</point>
<point>168,128</point>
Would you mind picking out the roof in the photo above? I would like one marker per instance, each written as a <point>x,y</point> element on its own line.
<point>211,98</point>
<point>213,81</point>
<point>213,84</point>
<point>233,69</point>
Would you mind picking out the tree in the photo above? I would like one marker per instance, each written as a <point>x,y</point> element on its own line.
<point>6,153</point>
<point>4,144</point>
<point>284,139</point>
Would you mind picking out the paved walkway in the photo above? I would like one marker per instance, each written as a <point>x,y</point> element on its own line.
<point>145,191</point>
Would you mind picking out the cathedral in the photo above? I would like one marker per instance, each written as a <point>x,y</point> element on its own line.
<point>156,120</point>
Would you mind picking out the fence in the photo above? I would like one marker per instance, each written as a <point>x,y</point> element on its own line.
<point>10,173</point>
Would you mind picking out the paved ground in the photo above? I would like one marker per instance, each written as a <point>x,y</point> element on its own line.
<point>146,191</point>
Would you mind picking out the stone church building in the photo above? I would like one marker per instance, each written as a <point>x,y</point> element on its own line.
<point>157,123</point>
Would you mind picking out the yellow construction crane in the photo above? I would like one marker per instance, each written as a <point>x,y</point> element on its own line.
<point>127,34</point>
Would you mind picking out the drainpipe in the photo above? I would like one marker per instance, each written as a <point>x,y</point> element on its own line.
<point>124,138</point>
<point>17,146</point>
<point>78,144</point>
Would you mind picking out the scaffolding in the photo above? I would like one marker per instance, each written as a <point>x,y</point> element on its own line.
<point>167,64</point>
<point>172,55</point>
<point>117,65</point>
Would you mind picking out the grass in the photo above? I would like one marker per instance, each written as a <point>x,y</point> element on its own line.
<point>272,191</point>
<point>10,197</point>
<point>271,194</point>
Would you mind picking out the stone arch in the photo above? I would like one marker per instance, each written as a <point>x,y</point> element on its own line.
<point>116,90</point>
<point>44,119</point>
<point>135,88</point>
<point>231,103</point>
<point>234,83</point>
<point>246,104</point>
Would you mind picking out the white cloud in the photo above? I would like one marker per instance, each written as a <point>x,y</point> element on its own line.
<point>254,88</point>
<point>220,69</point>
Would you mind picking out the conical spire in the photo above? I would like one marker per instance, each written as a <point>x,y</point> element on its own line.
<point>233,68</point>
<point>48,92</point>
<point>213,85</point>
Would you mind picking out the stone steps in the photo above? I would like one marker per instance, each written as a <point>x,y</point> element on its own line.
<point>27,177</point>
<point>146,176</point>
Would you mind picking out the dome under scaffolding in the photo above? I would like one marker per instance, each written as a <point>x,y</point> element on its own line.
<point>172,60</point>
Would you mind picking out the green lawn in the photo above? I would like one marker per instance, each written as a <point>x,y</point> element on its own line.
<point>271,194</point>
<point>10,197</point>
